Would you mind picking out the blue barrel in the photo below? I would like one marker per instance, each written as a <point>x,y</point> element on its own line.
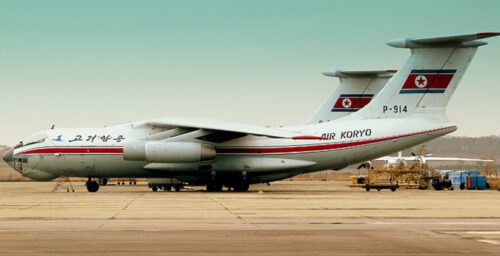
<point>473,182</point>
<point>481,182</point>
<point>464,176</point>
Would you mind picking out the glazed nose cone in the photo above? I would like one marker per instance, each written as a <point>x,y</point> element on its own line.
<point>8,156</point>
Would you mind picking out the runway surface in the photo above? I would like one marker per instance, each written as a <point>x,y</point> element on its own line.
<point>287,218</point>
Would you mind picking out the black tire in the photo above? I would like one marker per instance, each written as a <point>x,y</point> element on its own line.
<point>241,187</point>
<point>462,186</point>
<point>154,188</point>
<point>92,186</point>
<point>177,188</point>
<point>103,181</point>
<point>367,189</point>
<point>487,185</point>
<point>378,189</point>
<point>393,189</point>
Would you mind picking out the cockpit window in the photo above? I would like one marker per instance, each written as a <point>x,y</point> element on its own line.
<point>34,139</point>
<point>34,142</point>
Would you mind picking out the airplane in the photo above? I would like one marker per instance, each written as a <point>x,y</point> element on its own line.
<point>408,110</point>
<point>395,161</point>
<point>356,88</point>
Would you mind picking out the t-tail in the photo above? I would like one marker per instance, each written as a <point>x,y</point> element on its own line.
<point>427,81</point>
<point>356,89</point>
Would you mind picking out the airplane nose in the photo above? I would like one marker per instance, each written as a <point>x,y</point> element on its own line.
<point>9,156</point>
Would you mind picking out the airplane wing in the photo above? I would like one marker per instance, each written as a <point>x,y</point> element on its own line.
<point>228,127</point>
<point>456,159</point>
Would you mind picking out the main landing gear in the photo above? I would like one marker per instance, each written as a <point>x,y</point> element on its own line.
<point>92,186</point>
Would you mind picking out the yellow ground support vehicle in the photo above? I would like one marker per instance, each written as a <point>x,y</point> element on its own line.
<point>358,181</point>
<point>394,178</point>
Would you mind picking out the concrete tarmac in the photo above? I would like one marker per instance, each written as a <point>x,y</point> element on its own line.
<point>286,218</point>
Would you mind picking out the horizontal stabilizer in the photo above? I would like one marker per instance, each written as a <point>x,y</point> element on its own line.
<point>359,73</point>
<point>469,40</point>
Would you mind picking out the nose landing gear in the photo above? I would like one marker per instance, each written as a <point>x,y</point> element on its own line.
<point>92,186</point>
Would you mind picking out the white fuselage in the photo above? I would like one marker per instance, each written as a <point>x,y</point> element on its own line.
<point>98,152</point>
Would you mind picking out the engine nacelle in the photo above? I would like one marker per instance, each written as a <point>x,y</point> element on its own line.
<point>168,152</point>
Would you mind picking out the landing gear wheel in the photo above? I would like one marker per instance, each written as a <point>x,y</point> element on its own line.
<point>241,187</point>
<point>393,189</point>
<point>378,189</point>
<point>367,189</point>
<point>92,186</point>
<point>214,187</point>
<point>177,188</point>
<point>103,181</point>
<point>154,188</point>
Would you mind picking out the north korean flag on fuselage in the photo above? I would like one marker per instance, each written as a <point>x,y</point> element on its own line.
<point>428,81</point>
<point>351,102</point>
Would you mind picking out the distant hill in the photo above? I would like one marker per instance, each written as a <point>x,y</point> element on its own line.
<point>479,147</point>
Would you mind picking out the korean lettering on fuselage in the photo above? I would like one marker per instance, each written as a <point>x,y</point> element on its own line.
<point>94,138</point>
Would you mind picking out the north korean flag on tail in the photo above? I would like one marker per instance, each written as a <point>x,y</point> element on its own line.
<point>351,102</point>
<point>428,81</point>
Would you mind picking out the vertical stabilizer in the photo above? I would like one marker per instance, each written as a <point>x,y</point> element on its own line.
<point>356,90</point>
<point>428,79</point>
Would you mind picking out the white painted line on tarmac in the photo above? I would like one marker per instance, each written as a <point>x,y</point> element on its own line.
<point>432,223</point>
<point>490,242</point>
<point>474,232</point>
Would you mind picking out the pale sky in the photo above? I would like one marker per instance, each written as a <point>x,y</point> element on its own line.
<point>95,63</point>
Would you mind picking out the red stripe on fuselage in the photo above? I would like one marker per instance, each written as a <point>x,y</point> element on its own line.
<point>296,149</point>
<point>288,149</point>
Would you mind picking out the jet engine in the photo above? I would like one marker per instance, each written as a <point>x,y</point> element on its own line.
<point>168,152</point>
